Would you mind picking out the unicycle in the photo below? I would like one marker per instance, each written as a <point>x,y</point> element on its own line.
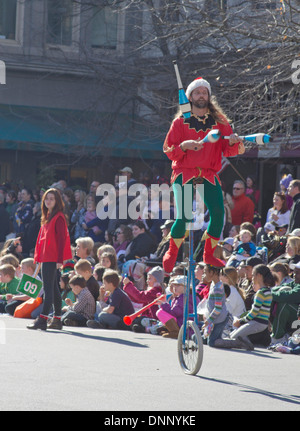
<point>190,343</point>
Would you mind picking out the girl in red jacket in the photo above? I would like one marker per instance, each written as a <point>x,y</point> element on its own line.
<point>52,248</point>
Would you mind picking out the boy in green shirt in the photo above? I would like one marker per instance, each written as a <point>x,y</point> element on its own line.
<point>287,300</point>
<point>8,285</point>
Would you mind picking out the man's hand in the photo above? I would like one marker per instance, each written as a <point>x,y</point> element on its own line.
<point>194,145</point>
<point>234,139</point>
<point>241,149</point>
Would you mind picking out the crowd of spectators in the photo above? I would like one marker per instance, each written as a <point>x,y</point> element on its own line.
<point>117,261</point>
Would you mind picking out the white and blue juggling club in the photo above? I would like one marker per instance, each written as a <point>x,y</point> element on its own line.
<point>212,136</point>
<point>184,103</point>
<point>257,138</point>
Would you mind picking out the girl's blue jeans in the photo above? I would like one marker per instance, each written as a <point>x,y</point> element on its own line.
<point>217,332</point>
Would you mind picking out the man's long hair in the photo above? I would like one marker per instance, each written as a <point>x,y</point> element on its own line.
<point>214,109</point>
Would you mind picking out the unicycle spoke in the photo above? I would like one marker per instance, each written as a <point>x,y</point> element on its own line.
<point>190,350</point>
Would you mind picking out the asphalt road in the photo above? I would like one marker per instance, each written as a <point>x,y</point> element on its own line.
<point>81,369</point>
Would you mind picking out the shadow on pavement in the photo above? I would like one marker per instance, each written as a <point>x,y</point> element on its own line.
<point>293,399</point>
<point>99,338</point>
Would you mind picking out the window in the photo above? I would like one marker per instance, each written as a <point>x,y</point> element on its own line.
<point>59,22</point>
<point>104,28</point>
<point>8,14</point>
<point>170,11</point>
<point>264,5</point>
<point>196,9</point>
<point>216,5</point>
<point>5,172</point>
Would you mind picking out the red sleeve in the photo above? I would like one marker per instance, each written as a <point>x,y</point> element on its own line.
<point>141,296</point>
<point>60,235</point>
<point>227,150</point>
<point>173,140</point>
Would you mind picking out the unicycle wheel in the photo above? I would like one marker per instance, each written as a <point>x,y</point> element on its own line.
<point>190,350</point>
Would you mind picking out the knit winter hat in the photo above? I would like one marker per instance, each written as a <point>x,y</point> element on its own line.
<point>198,82</point>
<point>285,181</point>
<point>68,266</point>
<point>158,273</point>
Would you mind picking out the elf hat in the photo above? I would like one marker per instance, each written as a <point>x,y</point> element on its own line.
<point>198,82</point>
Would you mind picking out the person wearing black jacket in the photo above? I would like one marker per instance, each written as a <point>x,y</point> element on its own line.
<point>143,242</point>
<point>4,220</point>
<point>294,192</point>
<point>157,257</point>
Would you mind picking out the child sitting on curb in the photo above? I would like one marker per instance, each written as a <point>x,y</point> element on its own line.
<point>155,287</point>
<point>84,268</point>
<point>28,267</point>
<point>171,315</point>
<point>8,285</point>
<point>83,309</point>
<point>66,290</point>
<point>118,303</point>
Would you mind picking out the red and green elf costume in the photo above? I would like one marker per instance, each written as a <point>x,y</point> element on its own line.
<point>202,165</point>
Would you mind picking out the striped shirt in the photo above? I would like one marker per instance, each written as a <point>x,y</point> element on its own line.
<point>260,311</point>
<point>216,303</point>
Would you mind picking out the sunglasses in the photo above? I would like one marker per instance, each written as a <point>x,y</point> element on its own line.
<point>237,188</point>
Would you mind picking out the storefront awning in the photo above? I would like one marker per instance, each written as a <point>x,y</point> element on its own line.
<point>90,133</point>
<point>80,132</point>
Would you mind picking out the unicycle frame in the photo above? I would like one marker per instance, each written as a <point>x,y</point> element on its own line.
<point>191,281</point>
<point>189,342</point>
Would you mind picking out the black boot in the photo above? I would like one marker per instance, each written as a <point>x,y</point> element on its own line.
<point>39,323</point>
<point>55,323</point>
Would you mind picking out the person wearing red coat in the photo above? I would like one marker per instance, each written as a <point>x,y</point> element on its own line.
<point>243,207</point>
<point>52,248</point>
<point>154,289</point>
<point>195,160</point>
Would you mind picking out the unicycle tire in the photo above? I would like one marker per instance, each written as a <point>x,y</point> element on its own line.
<point>190,352</point>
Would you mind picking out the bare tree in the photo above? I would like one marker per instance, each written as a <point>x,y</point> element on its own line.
<point>244,48</point>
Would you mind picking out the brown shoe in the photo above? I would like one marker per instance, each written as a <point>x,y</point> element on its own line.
<point>173,329</point>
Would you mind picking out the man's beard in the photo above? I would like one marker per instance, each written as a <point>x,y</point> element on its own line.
<point>200,104</point>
